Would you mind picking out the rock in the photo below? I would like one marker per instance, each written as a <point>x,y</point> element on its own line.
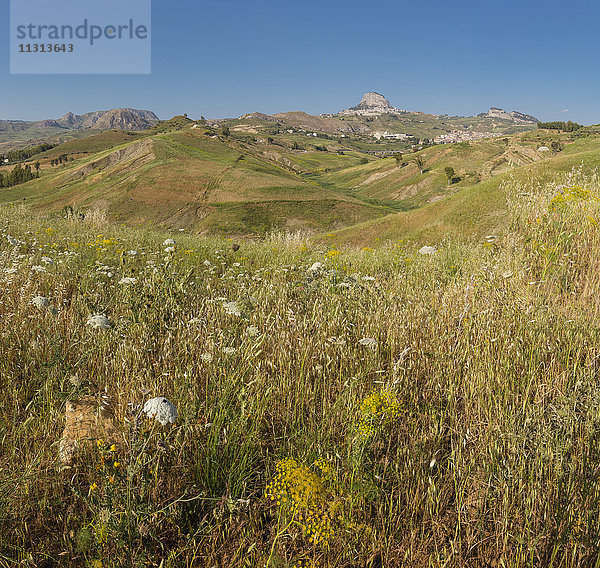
<point>427,250</point>
<point>88,418</point>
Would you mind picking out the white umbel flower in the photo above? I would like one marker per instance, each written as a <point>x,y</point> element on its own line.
<point>368,342</point>
<point>316,267</point>
<point>40,302</point>
<point>128,280</point>
<point>427,250</point>
<point>169,243</point>
<point>162,409</point>
<point>99,321</point>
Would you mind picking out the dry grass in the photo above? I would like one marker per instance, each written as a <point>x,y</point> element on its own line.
<point>490,457</point>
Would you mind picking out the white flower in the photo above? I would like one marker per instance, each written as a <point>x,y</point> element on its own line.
<point>169,243</point>
<point>232,308</point>
<point>170,249</point>
<point>46,260</point>
<point>368,342</point>
<point>38,268</point>
<point>507,274</point>
<point>368,278</point>
<point>252,331</point>
<point>99,321</point>
<point>40,302</point>
<point>132,252</point>
<point>206,263</point>
<point>316,266</point>
<point>160,408</point>
<point>128,280</point>
<point>10,270</point>
<point>206,357</point>
<point>427,250</point>
<point>229,350</point>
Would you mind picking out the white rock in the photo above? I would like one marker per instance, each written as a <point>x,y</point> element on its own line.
<point>162,409</point>
<point>99,321</point>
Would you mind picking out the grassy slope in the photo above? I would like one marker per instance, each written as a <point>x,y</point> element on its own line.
<point>453,398</point>
<point>474,210</point>
<point>186,179</point>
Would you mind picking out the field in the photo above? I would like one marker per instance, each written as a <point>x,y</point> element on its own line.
<point>336,406</point>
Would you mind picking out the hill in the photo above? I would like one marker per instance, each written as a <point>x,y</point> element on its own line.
<point>189,179</point>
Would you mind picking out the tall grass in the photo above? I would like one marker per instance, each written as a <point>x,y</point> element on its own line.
<point>490,351</point>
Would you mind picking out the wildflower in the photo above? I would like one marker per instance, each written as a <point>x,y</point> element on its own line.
<point>170,249</point>
<point>100,443</point>
<point>38,268</point>
<point>229,350</point>
<point>252,331</point>
<point>207,263</point>
<point>162,409</point>
<point>169,243</point>
<point>376,410</point>
<point>46,260</point>
<point>128,280</point>
<point>40,302</point>
<point>117,465</point>
<point>93,487</point>
<point>206,357</point>
<point>507,274</point>
<point>316,267</point>
<point>132,252</point>
<point>427,250</point>
<point>99,321</point>
<point>112,448</point>
<point>233,308</point>
<point>307,495</point>
<point>368,342</point>
<point>368,278</point>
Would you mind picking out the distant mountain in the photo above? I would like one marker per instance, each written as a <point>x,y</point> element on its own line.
<point>118,118</point>
<point>514,116</point>
<point>372,104</point>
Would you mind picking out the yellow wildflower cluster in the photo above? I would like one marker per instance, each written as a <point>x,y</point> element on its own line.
<point>376,410</point>
<point>307,495</point>
<point>332,253</point>
<point>569,194</point>
<point>306,564</point>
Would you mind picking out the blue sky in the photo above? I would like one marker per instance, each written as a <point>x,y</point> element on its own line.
<point>223,58</point>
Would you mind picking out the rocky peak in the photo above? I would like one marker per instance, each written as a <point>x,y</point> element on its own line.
<point>372,104</point>
<point>373,100</point>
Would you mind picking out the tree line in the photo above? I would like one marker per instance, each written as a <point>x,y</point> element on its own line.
<point>19,174</point>
<point>25,153</point>
<point>560,125</point>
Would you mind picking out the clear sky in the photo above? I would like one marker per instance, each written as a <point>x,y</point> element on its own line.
<point>223,58</point>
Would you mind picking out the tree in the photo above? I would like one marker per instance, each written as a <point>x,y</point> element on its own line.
<point>420,163</point>
<point>449,173</point>
<point>225,131</point>
<point>398,159</point>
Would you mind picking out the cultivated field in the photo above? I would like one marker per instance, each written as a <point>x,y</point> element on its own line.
<point>335,407</point>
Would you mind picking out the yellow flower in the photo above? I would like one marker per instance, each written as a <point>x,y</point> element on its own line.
<point>93,487</point>
<point>113,448</point>
<point>100,443</point>
<point>117,464</point>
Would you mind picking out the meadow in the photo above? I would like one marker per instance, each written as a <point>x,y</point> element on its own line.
<point>336,406</point>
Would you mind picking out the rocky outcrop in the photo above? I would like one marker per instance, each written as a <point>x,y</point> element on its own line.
<point>372,104</point>
<point>513,116</point>
<point>371,101</point>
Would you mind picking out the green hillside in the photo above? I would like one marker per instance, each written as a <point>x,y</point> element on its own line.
<point>187,179</point>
